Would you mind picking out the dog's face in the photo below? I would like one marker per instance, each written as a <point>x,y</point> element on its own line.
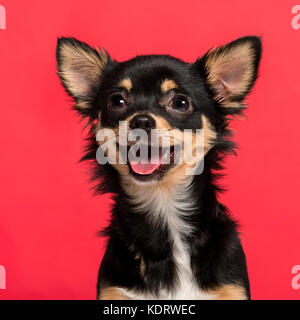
<point>159,93</point>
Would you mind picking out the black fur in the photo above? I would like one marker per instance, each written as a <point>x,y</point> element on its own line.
<point>217,256</point>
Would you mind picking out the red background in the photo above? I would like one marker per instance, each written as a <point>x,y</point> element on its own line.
<point>48,216</point>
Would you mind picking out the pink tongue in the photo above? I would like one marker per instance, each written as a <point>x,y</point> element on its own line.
<point>145,168</point>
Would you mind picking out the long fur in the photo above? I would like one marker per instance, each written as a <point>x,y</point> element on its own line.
<point>185,244</point>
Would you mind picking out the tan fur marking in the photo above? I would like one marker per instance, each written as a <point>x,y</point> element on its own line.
<point>112,293</point>
<point>168,85</point>
<point>121,168</point>
<point>98,126</point>
<point>209,134</point>
<point>126,84</point>
<point>142,267</point>
<point>232,104</point>
<point>229,292</point>
<point>221,61</point>
<point>161,123</point>
<point>79,66</point>
<point>82,105</point>
<point>176,174</point>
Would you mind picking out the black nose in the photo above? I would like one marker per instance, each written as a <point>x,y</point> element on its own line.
<point>142,121</point>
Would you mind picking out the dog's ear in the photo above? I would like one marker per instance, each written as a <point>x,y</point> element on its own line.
<point>79,68</point>
<point>231,70</point>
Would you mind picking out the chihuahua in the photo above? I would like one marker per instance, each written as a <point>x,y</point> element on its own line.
<point>169,237</point>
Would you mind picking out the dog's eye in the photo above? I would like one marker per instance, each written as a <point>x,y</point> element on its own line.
<point>117,101</point>
<point>180,103</point>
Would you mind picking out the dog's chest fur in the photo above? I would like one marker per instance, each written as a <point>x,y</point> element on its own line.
<point>171,208</point>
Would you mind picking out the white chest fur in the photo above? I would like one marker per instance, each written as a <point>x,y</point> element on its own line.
<point>169,207</point>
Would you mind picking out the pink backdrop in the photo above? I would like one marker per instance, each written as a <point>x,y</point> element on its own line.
<point>48,217</point>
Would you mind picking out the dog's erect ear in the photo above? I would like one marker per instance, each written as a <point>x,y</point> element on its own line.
<point>80,68</point>
<point>231,70</point>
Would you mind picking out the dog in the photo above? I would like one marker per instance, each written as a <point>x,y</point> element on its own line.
<point>169,237</point>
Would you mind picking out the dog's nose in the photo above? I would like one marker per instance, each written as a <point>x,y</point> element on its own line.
<point>142,121</point>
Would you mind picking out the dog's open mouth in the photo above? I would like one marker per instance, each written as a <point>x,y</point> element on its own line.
<point>152,166</point>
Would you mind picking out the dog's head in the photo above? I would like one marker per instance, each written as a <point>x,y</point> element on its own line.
<point>159,93</point>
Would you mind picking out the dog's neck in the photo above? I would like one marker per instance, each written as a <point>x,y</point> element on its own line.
<point>167,211</point>
<point>164,204</point>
